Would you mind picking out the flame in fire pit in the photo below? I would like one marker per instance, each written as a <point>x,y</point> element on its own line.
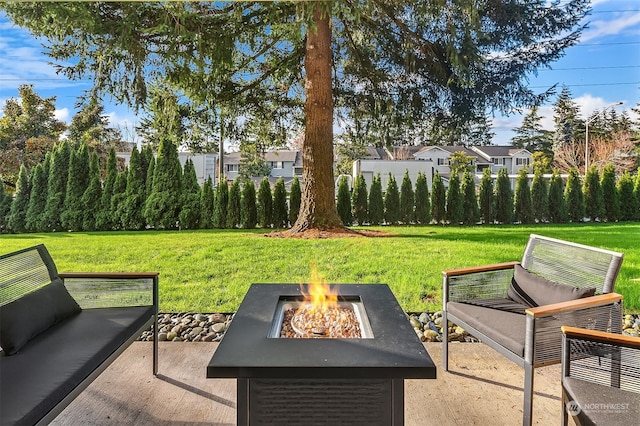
<point>320,295</point>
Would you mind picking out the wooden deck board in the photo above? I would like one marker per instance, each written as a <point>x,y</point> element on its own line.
<point>482,388</point>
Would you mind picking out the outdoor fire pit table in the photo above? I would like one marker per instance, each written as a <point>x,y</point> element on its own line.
<point>321,379</point>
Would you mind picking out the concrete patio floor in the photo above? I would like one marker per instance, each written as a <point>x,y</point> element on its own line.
<point>482,388</point>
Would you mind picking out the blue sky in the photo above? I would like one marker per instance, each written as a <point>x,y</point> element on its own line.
<point>603,68</point>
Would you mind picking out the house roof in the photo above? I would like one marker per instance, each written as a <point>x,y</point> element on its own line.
<point>280,155</point>
<point>449,149</point>
<point>492,151</point>
<point>405,152</point>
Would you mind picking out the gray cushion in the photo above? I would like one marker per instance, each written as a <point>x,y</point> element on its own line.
<point>593,398</point>
<point>506,328</point>
<point>501,304</point>
<point>533,290</point>
<point>32,383</point>
<point>33,313</point>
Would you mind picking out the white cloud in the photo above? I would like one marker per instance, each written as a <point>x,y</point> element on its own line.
<point>602,28</point>
<point>62,114</point>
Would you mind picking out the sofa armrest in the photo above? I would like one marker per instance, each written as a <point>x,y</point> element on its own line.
<point>572,305</point>
<point>112,289</point>
<point>601,336</point>
<point>478,282</point>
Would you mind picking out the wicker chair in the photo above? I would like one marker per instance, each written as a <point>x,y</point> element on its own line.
<point>477,299</point>
<point>600,377</point>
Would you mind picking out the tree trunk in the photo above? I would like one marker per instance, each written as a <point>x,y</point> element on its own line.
<point>318,207</point>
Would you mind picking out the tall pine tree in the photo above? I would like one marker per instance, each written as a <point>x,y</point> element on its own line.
<point>249,211</point>
<point>557,209</point>
<point>470,211</point>
<point>92,196</point>
<point>391,202</point>
<point>280,219</point>
<point>190,213</point>
<point>38,198</point>
<point>422,207</point>
<point>522,199</point>
<point>438,199</point>
<point>235,205</point>
<point>343,203</point>
<point>574,197</point>
<point>376,201</point>
<point>207,200</point>
<point>503,197</point>
<point>77,183</point>
<point>407,200</point>
<point>17,216</point>
<point>132,210</point>
<point>593,201</point>
<point>104,218</point>
<point>359,200</point>
<point>265,204</point>
<point>610,196</point>
<point>539,196</point>
<point>295,198</point>
<point>163,205</point>
<point>486,197</point>
<point>57,187</point>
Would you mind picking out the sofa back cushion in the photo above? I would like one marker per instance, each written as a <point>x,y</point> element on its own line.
<point>533,290</point>
<point>33,313</point>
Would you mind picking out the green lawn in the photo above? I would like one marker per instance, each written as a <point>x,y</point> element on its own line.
<point>210,271</point>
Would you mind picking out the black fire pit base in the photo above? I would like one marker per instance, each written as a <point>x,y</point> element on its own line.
<point>320,402</point>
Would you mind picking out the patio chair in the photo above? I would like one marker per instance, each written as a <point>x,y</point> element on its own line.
<point>600,377</point>
<point>517,308</point>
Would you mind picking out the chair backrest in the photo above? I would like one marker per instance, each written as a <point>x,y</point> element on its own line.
<point>570,263</point>
<point>24,271</point>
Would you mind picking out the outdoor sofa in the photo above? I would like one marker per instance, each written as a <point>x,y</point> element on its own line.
<point>59,331</point>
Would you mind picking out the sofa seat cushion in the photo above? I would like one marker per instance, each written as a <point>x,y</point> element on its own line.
<point>602,405</point>
<point>55,362</point>
<point>506,328</point>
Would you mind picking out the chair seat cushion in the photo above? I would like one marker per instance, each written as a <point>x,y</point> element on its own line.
<point>504,327</point>
<point>602,405</point>
<point>55,362</point>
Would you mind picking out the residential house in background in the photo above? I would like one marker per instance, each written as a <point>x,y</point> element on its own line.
<point>502,157</point>
<point>205,164</point>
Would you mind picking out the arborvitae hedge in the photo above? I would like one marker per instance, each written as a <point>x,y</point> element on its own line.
<point>485,197</point>
<point>221,205</point>
<point>265,204</point>
<point>234,208</point>
<point>610,196</point>
<point>77,183</point>
<point>376,202</point>
<point>280,214</point>
<point>407,200</point>
<point>118,199</point>
<point>522,199</point>
<point>249,212</point>
<point>503,198</point>
<point>392,202</point>
<point>422,205</point>
<point>592,190</point>
<point>135,194</point>
<point>5,208</point>
<point>93,195</point>
<point>628,202</point>
<point>557,207</point>
<point>574,197</point>
<point>295,198</point>
<point>190,213</point>
<point>438,199</point>
<point>539,197</point>
<point>16,216</point>
<point>207,200</point>
<point>454,200</point>
<point>57,187</point>
<point>359,201</point>
<point>343,204</point>
<point>38,198</point>
<point>104,217</point>
<point>163,205</point>
<point>470,211</point>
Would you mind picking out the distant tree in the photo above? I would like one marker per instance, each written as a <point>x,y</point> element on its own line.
<point>77,182</point>
<point>190,213</point>
<point>593,201</point>
<point>103,217</point>
<point>503,197</point>
<point>459,161</point>
<point>92,196</point>
<point>470,211</point>
<point>90,125</point>
<point>566,119</point>
<point>532,136</point>
<point>359,200</point>
<point>407,200</point>
<point>610,196</point>
<point>422,205</point>
<point>574,197</point>
<point>343,203</point>
<point>522,199</point>
<point>295,198</point>
<point>280,214</point>
<point>376,201</point>
<point>438,199</point>
<point>541,162</point>
<point>162,207</point>
<point>235,205</point>
<point>454,201</point>
<point>557,209</point>
<point>57,187</point>
<point>628,202</point>
<point>135,194</point>
<point>391,202</point>
<point>38,198</point>
<point>118,199</point>
<point>486,197</point>
<point>265,204</point>
<point>16,220</point>
<point>249,210</point>
<point>151,170</point>
<point>539,197</point>
<point>221,205</point>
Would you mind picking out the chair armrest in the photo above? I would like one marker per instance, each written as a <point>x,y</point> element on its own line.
<point>601,336</point>
<point>112,289</point>
<point>478,269</point>
<point>573,305</point>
